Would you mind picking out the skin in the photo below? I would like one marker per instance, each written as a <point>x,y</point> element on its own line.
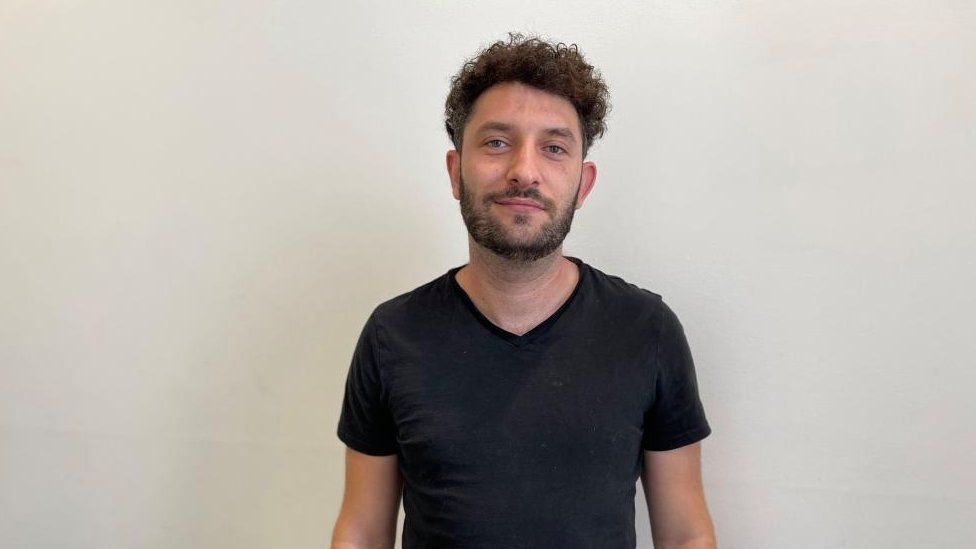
<point>517,277</point>
<point>675,498</point>
<point>522,161</point>
<point>370,502</point>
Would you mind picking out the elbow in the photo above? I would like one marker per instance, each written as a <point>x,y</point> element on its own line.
<point>348,536</point>
<point>701,541</point>
<point>354,545</point>
<point>339,542</point>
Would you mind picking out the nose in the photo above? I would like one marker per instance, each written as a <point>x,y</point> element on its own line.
<point>524,169</point>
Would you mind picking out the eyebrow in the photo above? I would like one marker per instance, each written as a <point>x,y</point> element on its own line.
<point>565,133</point>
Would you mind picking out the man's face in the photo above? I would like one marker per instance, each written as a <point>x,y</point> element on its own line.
<point>521,177</point>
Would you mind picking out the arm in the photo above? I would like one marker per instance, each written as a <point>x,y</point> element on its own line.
<point>370,503</point>
<point>676,500</point>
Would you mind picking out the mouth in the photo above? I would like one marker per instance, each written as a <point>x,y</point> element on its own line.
<point>520,205</point>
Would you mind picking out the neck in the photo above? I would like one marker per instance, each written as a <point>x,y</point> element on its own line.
<point>517,295</point>
<point>502,273</point>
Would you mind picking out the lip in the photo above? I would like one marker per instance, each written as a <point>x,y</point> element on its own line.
<point>520,205</point>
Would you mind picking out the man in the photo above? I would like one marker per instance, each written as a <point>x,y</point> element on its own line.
<point>516,399</point>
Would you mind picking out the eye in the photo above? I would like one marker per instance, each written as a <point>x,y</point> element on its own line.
<point>555,149</point>
<point>499,142</point>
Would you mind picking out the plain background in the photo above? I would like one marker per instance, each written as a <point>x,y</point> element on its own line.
<point>201,202</point>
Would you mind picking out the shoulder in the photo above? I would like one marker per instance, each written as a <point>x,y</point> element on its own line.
<point>625,297</point>
<point>415,306</point>
<point>640,308</point>
<point>613,284</point>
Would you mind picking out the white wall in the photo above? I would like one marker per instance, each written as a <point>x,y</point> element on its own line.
<point>201,202</point>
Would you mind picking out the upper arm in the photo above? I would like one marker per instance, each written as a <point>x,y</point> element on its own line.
<point>370,502</point>
<point>675,497</point>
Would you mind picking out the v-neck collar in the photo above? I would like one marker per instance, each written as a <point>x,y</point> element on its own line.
<point>505,335</point>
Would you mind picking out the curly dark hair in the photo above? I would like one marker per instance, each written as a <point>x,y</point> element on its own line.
<point>555,68</point>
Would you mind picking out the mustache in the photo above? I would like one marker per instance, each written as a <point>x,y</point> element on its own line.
<point>514,192</point>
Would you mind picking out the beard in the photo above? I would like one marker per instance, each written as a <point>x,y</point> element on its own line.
<point>488,230</point>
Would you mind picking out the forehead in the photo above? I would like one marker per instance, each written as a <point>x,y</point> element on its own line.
<point>522,107</point>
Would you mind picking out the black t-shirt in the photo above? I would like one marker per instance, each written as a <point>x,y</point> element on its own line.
<point>536,440</point>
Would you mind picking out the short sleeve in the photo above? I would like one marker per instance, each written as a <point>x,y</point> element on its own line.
<point>365,423</point>
<point>676,417</point>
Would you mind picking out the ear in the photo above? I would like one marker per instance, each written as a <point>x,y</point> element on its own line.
<point>587,180</point>
<point>454,172</point>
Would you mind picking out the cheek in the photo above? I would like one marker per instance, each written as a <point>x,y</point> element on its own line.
<point>486,170</point>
